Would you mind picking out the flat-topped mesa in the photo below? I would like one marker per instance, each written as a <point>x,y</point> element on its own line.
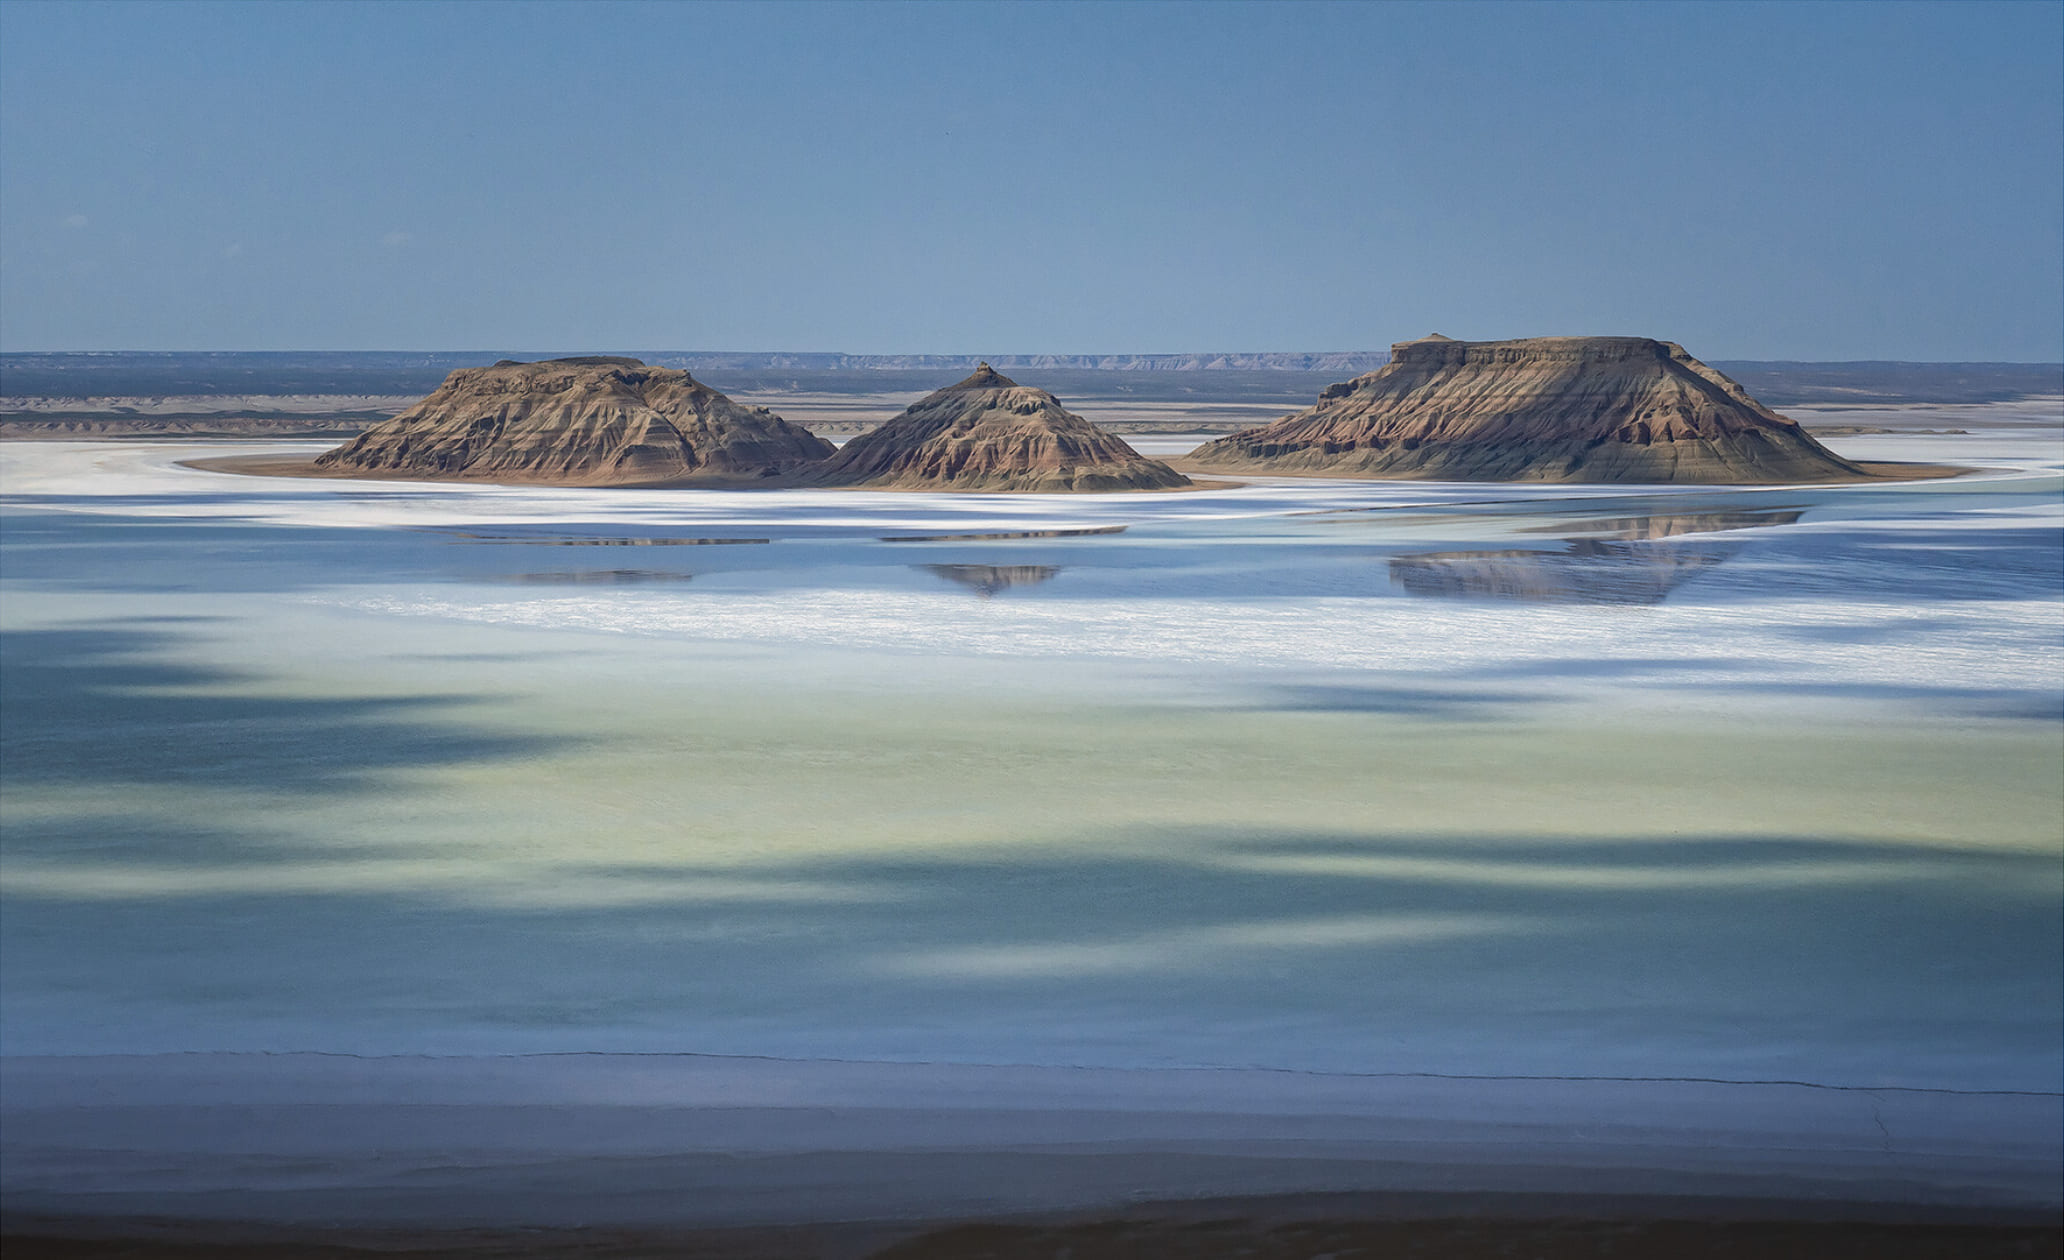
<point>990,433</point>
<point>593,421</point>
<point>1579,409</point>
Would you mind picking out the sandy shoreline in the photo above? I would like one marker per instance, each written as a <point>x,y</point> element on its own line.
<point>294,466</point>
<point>1201,478</point>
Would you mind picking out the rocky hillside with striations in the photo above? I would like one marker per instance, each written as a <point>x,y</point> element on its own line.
<point>990,433</point>
<point>585,421</point>
<point>1580,409</point>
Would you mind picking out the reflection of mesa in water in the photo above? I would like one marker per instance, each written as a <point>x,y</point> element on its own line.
<point>1022,533</point>
<point>1649,528</point>
<point>1590,572</point>
<point>599,577</point>
<point>1620,569</point>
<point>991,578</point>
<point>547,540</point>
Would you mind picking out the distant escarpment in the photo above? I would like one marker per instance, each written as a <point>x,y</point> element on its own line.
<point>594,421</point>
<point>990,433</point>
<point>1590,409</point>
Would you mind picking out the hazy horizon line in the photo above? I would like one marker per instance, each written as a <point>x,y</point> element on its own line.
<point>937,356</point>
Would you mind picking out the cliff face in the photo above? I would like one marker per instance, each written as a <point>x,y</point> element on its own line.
<point>1595,409</point>
<point>587,421</point>
<point>990,433</point>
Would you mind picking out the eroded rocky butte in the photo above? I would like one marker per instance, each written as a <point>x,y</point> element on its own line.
<point>592,421</point>
<point>1578,409</point>
<point>990,433</point>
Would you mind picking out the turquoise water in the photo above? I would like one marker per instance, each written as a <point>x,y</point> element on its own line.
<point>1748,784</point>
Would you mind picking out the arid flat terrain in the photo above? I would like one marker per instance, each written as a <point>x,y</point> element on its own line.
<point>72,396</point>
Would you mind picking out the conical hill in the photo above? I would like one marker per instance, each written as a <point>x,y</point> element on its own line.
<point>990,433</point>
<point>584,421</point>
<point>1578,409</point>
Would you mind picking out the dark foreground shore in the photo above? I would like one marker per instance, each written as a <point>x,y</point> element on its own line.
<point>166,1157</point>
<point>1338,1227</point>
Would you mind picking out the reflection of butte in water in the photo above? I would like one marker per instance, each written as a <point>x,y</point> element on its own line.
<point>1625,568</point>
<point>599,577</point>
<point>987,579</point>
<point>1648,528</point>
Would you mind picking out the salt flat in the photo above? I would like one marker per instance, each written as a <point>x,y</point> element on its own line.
<point>1334,778</point>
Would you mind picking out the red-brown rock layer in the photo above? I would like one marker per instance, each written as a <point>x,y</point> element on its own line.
<point>1595,409</point>
<point>990,433</point>
<point>588,421</point>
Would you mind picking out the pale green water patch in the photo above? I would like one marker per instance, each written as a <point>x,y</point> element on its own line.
<point>541,776</point>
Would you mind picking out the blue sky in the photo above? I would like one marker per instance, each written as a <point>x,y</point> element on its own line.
<point>1754,180</point>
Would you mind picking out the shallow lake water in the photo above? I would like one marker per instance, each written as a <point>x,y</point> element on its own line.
<point>1736,783</point>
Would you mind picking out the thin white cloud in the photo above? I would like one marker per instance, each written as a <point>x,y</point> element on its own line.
<point>75,221</point>
<point>233,250</point>
<point>397,238</point>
